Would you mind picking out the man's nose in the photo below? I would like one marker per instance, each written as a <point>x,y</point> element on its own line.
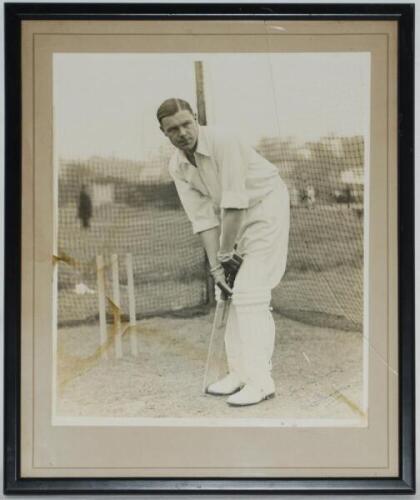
<point>182,131</point>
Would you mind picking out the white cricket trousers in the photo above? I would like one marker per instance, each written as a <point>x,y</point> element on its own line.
<point>250,329</point>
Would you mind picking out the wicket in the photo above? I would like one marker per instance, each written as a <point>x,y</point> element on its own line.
<point>115,302</point>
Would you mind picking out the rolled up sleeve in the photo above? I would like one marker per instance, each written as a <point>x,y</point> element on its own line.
<point>199,208</point>
<point>233,171</point>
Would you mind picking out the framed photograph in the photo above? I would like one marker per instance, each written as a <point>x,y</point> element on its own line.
<point>209,258</point>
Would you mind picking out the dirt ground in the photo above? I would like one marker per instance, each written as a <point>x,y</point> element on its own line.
<point>317,370</point>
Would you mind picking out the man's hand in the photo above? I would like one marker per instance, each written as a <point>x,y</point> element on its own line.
<point>219,277</point>
<point>231,262</point>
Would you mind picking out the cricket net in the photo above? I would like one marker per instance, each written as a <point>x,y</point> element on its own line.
<point>323,283</point>
<point>108,206</point>
<point>111,207</point>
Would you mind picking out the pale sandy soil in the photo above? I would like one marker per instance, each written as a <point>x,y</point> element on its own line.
<point>318,373</point>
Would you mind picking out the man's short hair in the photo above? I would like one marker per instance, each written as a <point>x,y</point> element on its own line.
<point>171,107</point>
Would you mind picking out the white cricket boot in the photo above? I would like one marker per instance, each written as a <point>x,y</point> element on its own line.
<point>226,386</point>
<point>251,395</point>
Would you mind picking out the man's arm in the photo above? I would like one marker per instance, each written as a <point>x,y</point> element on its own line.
<point>210,239</point>
<point>224,265</point>
<point>216,244</point>
<point>231,225</point>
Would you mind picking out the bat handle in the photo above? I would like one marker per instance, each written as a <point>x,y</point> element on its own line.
<point>226,291</point>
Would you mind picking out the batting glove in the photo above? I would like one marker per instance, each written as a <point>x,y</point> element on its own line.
<point>231,262</point>
<point>219,277</point>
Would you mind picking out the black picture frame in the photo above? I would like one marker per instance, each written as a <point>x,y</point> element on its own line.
<point>14,14</point>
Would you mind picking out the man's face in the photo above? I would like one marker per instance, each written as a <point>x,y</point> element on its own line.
<point>181,129</point>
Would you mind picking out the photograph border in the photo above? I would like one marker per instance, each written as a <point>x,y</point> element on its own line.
<point>14,15</point>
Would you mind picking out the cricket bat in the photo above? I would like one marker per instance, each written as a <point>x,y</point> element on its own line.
<point>216,362</point>
<point>215,357</point>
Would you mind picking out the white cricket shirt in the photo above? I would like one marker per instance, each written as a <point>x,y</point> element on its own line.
<point>229,174</point>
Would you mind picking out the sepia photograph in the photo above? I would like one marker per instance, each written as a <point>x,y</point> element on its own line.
<point>211,222</point>
<point>213,249</point>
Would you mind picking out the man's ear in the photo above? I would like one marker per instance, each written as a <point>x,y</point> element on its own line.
<point>161,129</point>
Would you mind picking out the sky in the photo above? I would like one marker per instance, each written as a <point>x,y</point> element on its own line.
<point>105,104</point>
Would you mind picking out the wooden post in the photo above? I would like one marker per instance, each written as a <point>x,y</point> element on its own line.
<point>132,304</point>
<point>102,304</point>
<point>202,120</point>
<point>200,93</point>
<point>117,302</point>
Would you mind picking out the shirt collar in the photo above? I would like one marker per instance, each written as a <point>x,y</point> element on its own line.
<point>202,148</point>
<point>183,166</point>
<point>202,144</point>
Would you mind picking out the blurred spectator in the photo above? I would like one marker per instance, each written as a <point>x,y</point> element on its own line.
<point>85,208</point>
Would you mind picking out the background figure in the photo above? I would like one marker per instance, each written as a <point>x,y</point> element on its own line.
<point>349,196</point>
<point>310,193</point>
<point>84,211</point>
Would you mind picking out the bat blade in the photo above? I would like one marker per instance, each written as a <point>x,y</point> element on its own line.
<point>216,363</point>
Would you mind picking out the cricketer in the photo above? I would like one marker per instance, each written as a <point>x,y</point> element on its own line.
<point>239,205</point>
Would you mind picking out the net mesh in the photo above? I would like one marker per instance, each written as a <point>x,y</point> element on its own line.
<point>111,206</point>
<point>117,207</point>
<point>323,283</point>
